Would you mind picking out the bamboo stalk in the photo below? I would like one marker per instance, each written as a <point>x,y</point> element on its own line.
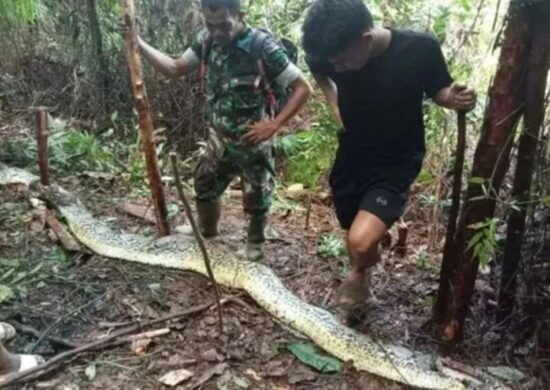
<point>42,139</point>
<point>144,117</point>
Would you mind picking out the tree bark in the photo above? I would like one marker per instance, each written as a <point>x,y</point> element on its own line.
<point>491,160</point>
<point>144,117</point>
<point>537,76</point>
<point>101,70</point>
<point>42,139</point>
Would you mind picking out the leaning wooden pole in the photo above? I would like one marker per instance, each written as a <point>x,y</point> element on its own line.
<point>144,117</point>
<point>450,247</point>
<point>42,139</point>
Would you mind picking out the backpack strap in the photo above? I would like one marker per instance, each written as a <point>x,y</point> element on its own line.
<point>256,51</point>
<point>259,37</point>
<point>205,51</point>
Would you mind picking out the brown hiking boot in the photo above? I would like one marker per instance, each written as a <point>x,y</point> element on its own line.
<point>354,299</point>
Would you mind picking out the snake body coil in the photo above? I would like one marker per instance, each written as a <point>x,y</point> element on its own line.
<point>259,281</point>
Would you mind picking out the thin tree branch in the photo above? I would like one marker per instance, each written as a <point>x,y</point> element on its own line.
<point>198,236</point>
<point>111,340</point>
<point>60,342</point>
<point>60,320</point>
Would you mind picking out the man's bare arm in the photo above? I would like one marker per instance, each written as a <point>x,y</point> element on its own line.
<point>260,131</point>
<point>301,91</point>
<point>331,94</point>
<point>456,97</point>
<point>168,66</point>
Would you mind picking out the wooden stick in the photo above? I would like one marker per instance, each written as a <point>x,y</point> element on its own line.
<point>450,245</point>
<point>229,298</point>
<point>457,179</point>
<point>42,139</point>
<point>144,117</point>
<point>98,344</point>
<point>67,241</point>
<point>401,244</point>
<point>386,240</point>
<point>52,339</point>
<point>107,342</point>
<point>147,335</point>
<point>472,372</point>
<point>103,324</point>
<point>139,211</point>
<point>458,170</point>
<point>308,212</point>
<point>62,319</point>
<point>198,235</point>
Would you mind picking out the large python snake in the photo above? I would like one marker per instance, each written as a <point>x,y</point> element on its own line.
<point>258,280</point>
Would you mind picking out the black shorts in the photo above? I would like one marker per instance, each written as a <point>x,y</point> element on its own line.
<point>380,189</point>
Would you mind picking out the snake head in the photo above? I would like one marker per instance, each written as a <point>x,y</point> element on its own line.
<point>53,195</point>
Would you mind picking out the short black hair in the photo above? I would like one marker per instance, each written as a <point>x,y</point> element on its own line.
<point>331,25</point>
<point>233,6</point>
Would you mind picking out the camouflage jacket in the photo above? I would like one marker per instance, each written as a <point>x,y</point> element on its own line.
<point>233,101</point>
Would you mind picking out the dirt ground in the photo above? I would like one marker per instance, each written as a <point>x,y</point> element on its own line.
<point>81,296</point>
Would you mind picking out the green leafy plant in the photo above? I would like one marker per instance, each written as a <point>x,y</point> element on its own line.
<point>6,293</point>
<point>484,240</point>
<point>21,11</point>
<point>330,246</point>
<point>136,169</point>
<point>429,200</point>
<point>422,261</point>
<point>280,203</point>
<point>310,153</point>
<point>70,151</point>
<point>58,255</point>
<point>17,276</point>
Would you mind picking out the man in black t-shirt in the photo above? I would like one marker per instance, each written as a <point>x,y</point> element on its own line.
<point>375,80</point>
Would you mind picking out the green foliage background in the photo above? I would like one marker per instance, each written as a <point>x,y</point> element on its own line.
<point>56,36</point>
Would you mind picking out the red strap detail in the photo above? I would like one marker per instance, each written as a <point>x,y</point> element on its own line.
<point>271,99</point>
<point>261,68</point>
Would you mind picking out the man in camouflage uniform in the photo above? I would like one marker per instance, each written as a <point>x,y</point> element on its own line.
<point>241,129</point>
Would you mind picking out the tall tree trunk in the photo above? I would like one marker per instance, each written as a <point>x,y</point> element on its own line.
<point>101,70</point>
<point>537,77</point>
<point>144,117</point>
<point>459,268</point>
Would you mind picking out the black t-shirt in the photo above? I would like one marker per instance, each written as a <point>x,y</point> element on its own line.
<point>381,104</point>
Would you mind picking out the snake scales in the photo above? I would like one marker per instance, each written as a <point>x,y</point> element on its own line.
<point>258,280</point>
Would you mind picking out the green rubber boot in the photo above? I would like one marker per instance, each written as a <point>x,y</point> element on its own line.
<point>209,213</point>
<point>256,237</point>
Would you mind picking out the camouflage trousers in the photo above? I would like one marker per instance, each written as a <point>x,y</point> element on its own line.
<point>221,162</point>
